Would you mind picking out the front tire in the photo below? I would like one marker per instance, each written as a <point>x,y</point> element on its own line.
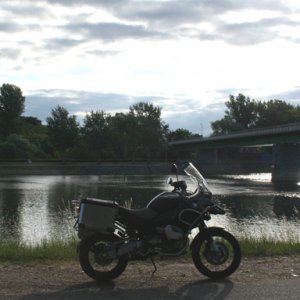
<point>95,261</point>
<point>216,253</point>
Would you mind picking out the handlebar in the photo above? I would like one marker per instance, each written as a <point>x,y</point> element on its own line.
<point>179,185</point>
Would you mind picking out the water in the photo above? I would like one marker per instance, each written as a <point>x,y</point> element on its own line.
<point>35,208</point>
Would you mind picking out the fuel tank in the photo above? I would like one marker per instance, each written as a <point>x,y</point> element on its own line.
<point>166,201</point>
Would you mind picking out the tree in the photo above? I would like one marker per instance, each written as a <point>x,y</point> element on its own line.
<point>63,129</point>
<point>11,107</point>
<point>150,131</point>
<point>95,131</point>
<point>242,110</point>
<point>276,112</point>
<point>224,126</point>
<point>123,140</point>
<point>243,113</point>
<point>181,134</point>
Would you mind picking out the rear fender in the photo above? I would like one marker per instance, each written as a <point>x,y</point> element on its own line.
<point>204,232</point>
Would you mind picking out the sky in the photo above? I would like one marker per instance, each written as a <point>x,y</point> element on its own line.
<point>185,56</point>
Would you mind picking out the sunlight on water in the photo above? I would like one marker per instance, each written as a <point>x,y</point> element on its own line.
<point>262,177</point>
<point>34,208</point>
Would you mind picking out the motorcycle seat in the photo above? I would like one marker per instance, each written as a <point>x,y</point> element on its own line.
<point>137,215</point>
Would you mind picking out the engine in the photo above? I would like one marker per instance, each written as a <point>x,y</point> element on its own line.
<point>169,240</point>
<point>173,233</point>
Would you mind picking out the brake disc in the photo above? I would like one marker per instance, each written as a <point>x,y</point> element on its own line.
<point>101,255</point>
<point>217,253</point>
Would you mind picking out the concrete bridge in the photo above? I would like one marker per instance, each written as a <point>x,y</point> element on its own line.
<point>285,140</point>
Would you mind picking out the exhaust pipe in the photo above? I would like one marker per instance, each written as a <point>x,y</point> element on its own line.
<point>128,247</point>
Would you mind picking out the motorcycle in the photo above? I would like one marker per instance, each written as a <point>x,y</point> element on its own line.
<point>111,235</point>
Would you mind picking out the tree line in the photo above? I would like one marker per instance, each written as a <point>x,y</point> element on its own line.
<point>139,134</point>
<point>244,113</point>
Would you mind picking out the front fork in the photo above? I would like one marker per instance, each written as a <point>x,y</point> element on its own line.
<point>204,229</point>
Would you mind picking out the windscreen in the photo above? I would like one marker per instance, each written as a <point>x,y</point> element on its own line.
<point>196,176</point>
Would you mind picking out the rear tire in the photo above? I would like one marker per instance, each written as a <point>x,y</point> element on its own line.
<point>217,260</point>
<point>94,258</point>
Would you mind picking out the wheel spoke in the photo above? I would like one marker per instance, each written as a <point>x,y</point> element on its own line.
<point>95,260</point>
<point>217,256</point>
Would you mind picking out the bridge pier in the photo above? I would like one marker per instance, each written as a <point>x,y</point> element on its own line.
<point>286,164</point>
<point>207,156</point>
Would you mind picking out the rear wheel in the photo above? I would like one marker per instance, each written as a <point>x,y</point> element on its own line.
<point>216,253</point>
<point>95,257</point>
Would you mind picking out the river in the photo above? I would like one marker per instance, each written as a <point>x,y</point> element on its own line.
<point>37,208</point>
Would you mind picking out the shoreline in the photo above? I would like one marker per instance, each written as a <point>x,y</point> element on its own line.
<point>23,168</point>
<point>65,250</point>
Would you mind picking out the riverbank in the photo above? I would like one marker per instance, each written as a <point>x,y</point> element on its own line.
<point>61,250</point>
<point>22,168</point>
<point>28,167</point>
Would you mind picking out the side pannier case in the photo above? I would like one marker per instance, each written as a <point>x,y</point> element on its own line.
<point>97,215</point>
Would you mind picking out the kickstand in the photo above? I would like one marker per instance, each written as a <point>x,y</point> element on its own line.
<point>154,265</point>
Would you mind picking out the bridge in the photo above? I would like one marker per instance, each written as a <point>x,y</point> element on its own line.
<point>285,140</point>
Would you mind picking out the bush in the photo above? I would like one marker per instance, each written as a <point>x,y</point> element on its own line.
<point>18,147</point>
<point>7,150</point>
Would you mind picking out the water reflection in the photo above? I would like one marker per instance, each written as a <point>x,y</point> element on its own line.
<point>288,207</point>
<point>33,208</point>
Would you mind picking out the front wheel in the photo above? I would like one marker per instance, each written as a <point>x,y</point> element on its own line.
<point>216,253</point>
<point>96,259</point>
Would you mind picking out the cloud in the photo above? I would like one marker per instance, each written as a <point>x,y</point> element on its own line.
<point>111,32</point>
<point>174,12</point>
<point>249,33</point>
<point>196,120</point>
<point>292,96</point>
<point>39,103</point>
<point>9,53</point>
<point>175,52</point>
<point>59,44</point>
<point>10,27</point>
<point>136,20</point>
<point>102,53</point>
<point>26,9</point>
<point>97,3</point>
<point>178,113</point>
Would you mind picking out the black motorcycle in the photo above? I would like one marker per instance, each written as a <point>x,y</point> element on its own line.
<point>111,235</point>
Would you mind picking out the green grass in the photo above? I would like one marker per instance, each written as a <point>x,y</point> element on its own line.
<point>47,250</point>
<point>58,250</point>
<point>266,247</point>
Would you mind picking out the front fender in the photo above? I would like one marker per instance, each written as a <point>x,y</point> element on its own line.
<point>205,232</point>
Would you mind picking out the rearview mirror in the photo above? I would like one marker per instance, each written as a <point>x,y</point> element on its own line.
<point>169,180</point>
<point>174,168</point>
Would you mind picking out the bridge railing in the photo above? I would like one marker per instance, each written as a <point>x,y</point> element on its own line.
<point>279,129</point>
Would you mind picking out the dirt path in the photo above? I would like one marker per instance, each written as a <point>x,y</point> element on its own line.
<point>66,280</point>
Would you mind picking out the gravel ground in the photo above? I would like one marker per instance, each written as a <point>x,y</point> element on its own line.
<point>65,280</point>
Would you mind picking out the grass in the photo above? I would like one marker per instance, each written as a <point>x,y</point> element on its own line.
<point>59,250</point>
<point>267,247</point>
<point>55,250</point>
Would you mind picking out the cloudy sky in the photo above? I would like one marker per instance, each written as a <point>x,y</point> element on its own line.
<point>186,56</point>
